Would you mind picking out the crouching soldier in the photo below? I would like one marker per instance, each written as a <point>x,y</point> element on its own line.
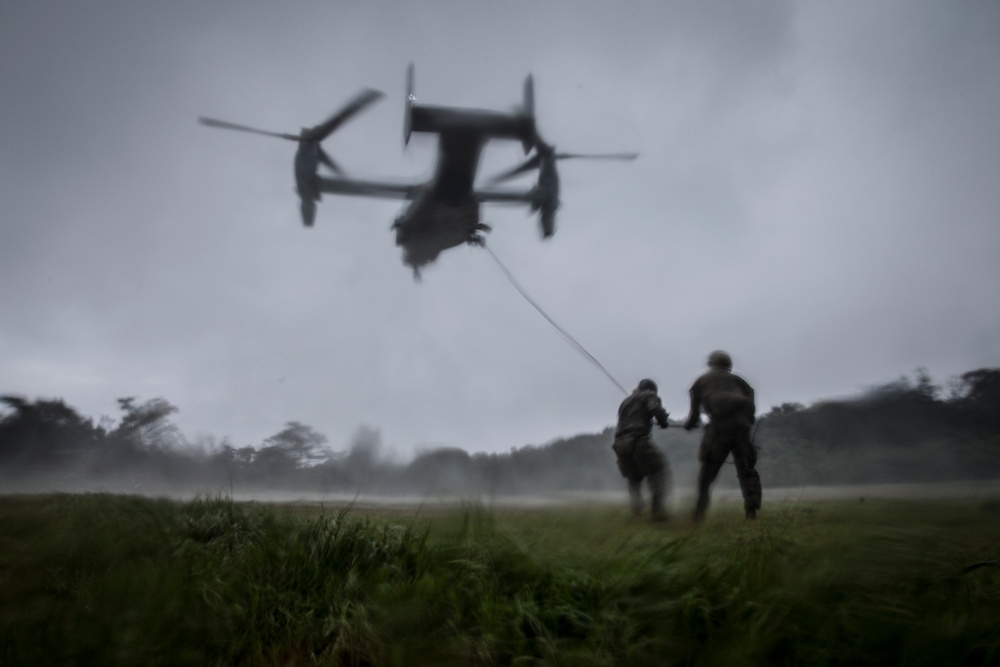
<point>729,402</point>
<point>638,457</point>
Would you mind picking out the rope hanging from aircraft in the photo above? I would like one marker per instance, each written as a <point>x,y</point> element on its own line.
<point>562,332</point>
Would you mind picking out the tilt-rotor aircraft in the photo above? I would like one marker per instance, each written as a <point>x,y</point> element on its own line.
<point>443,211</point>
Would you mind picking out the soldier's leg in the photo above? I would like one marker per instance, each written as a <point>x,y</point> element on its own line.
<point>712,453</point>
<point>745,458</point>
<point>635,494</point>
<point>650,462</point>
<point>624,448</point>
<point>658,493</point>
<point>707,472</point>
<point>706,475</point>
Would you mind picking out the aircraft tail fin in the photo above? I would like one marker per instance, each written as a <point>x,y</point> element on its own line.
<point>408,110</point>
<point>528,109</point>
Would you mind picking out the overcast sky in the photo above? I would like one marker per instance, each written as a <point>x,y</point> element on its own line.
<point>818,192</point>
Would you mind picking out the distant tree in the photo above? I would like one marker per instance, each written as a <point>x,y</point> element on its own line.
<point>225,454</point>
<point>981,387</point>
<point>283,455</point>
<point>42,432</point>
<point>444,470</point>
<point>273,462</point>
<point>785,409</point>
<point>233,458</point>
<point>299,443</point>
<point>366,444</point>
<point>924,386</point>
<point>977,397</point>
<point>147,424</point>
<point>244,457</point>
<point>920,390</point>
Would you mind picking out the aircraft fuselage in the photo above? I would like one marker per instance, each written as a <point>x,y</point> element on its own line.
<point>445,214</point>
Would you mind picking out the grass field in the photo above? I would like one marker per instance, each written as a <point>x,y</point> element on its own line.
<point>106,580</point>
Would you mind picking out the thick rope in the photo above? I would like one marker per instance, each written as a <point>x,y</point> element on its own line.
<point>565,334</point>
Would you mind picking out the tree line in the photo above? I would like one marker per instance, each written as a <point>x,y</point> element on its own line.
<point>911,430</point>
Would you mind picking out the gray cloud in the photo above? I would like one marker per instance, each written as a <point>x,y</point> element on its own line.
<point>835,164</point>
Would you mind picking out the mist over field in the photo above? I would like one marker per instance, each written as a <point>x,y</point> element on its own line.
<point>911,434</point>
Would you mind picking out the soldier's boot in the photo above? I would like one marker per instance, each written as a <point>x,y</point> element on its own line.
<point>751,515</point>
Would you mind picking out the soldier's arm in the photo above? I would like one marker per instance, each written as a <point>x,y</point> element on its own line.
<point>750,395</point>
<point>694,415</point>
<point>656,408</point>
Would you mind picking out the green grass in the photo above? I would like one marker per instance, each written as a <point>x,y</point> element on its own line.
<point>101,579</point>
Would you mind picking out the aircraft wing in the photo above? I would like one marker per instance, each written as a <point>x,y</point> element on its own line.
<point>350,186</point>
<point>513,196</point>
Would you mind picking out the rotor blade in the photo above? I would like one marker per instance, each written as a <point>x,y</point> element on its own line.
<point>362,100</point>
<point>325,158</point>
<point>211,122</point>
<point>598,156</point>
<point>527,165</point>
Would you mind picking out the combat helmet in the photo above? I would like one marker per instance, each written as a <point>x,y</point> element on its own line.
<point>647,385</point>
<point>720,359</point>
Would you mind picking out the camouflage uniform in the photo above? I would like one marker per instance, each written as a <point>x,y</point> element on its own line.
<point>638,457</point>
<point>729,402</point>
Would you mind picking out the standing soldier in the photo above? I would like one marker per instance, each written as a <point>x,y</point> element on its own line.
<point>638,457</point>
<point>729,402</point>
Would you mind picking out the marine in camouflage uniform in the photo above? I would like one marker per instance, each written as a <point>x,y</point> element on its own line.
<point>638,457</point>
<point>729,402</point>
